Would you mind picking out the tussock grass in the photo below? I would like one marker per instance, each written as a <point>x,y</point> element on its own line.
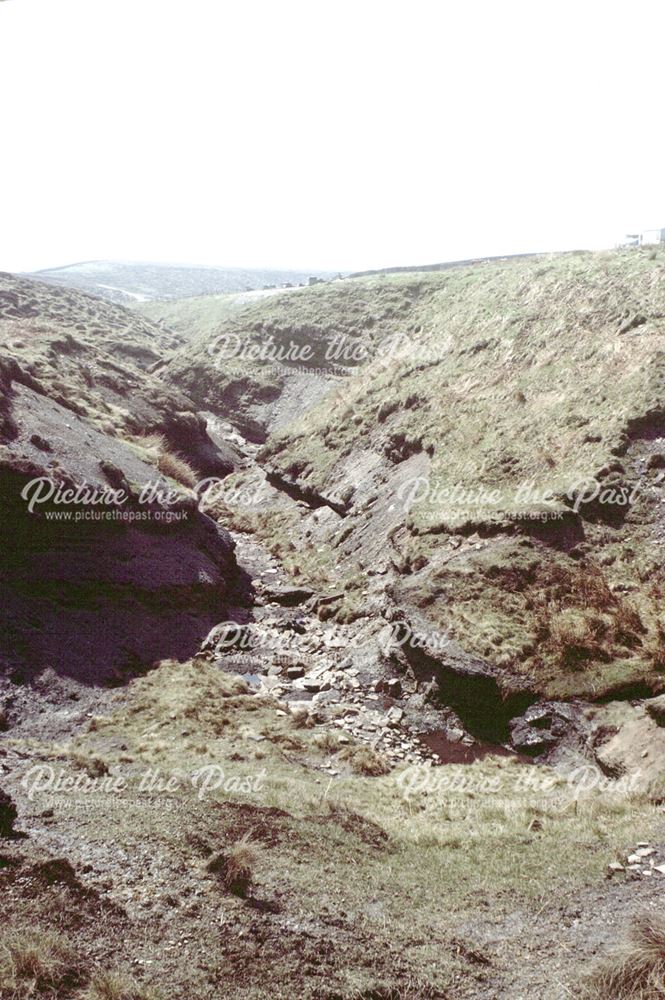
<point>116,986</point>
<point>177,468</point>
<point>154,449</point>
<point>635,969</point>
<point>575,636</point>
<point>42,963</point>
<point>328,740</point>
<point>301,717</point>
<point>364,760</point>
<point>237,866</point>
<point>37,963</point>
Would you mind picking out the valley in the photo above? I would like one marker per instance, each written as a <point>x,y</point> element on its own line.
<point>361,694</point>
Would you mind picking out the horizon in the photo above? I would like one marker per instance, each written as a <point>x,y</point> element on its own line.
<point>331,270</point>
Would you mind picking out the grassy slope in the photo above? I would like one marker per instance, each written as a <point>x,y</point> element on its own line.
<point>90,356</point>
<point>354,314</point>
<point>354,883</point>
<point>96,359</point>
<point>517,372</point>
<point>545,329</point>
<point>535,384</point>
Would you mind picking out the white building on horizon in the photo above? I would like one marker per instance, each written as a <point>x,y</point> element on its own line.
<point>650,236</point>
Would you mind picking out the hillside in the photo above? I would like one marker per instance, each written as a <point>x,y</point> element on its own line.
<point>127,282</point>
<point>95,359</point>
<point>264,361</point>
<point>482,429</point>
<point>78,410</point>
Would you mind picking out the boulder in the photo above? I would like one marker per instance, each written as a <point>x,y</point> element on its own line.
<point>542,726</point>
<point>288,597</point>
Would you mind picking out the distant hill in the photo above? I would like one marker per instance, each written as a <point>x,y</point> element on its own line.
<point>448,264</point>
<point>127,282</point>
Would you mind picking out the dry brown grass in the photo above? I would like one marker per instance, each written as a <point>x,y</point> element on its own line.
<point>116,986</point>
<point>364,760</point>
<point>236,867</point>
<point>657,649</point>
<point>628,625</point>
<point>635,970</point>
<point>37,963</point>
<point>177,468</point>
<point>301,717</point>
<point>154,449</point>
<point>328,740</point>
<point>579,620</point>
<point>576,637</point>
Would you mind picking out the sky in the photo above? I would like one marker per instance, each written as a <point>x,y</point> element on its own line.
<point>342,136</point>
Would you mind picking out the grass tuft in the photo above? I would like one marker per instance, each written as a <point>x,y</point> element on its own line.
<point>177,468</point>
<point>364,760</point>
<point>236,867</point>
<point>635,970</point>
<point>37,964</point>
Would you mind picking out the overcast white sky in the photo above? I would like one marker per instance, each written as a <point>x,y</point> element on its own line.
<point>349,135</point>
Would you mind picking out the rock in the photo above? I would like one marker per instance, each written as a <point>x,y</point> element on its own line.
<point>266,685</point>
<point>328,696</point>
<point>8,815</point>
<point>660,869</point>
<point>312,684</point>
<point>542,726</point>
<point>293,673</point>
<point>286,596</point>
<point>632,323</point>
<point>645,852</point>
<point>633,859</point>
<point>616,866</point>
<point>250,734</point>
<point>395,715</point>
<point>44,445</point>
<point>172,582</point>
